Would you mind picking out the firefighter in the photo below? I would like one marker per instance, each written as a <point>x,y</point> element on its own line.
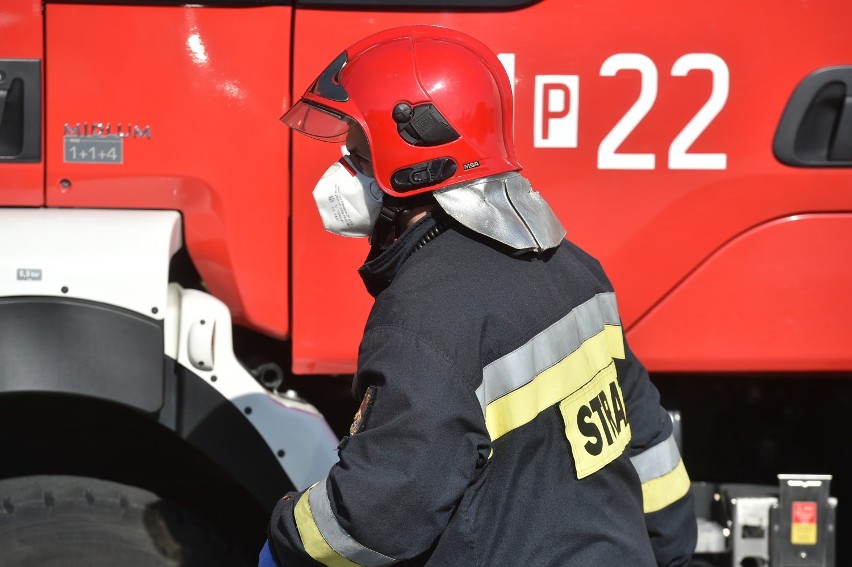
<point>504,419</point>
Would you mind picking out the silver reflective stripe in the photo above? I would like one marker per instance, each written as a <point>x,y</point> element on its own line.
<point>338,538</point>
<point>521,366</point>
<point>657,461</point>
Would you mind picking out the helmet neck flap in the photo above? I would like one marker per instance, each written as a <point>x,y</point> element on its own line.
<point>505,208</point>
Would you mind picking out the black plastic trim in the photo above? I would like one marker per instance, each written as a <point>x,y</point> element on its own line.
<point>446,5</point>
<point>327,85</point>
<point>220,430</point>
<point>480,4</point>
<point>210,3</point>
<point>84,348</point>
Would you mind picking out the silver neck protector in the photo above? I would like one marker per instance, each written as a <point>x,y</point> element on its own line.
<point>505,208</point>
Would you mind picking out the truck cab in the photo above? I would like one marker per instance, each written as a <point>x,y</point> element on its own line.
<point>175,323</point>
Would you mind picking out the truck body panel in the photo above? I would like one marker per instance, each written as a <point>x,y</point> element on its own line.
<point>774,291</point>
<point>696,95</point>
<point>189,123</point>
<point>636,138</point>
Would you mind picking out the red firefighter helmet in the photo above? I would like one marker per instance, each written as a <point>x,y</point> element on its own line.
<point>434,103</point>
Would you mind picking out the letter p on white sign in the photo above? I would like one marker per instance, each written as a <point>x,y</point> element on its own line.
<point>556,111</point>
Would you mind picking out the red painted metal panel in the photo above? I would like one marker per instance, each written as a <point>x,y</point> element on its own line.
<point>200,90</point>
<point>21,184</point>
<point>775,298</point>
<point>649,227</point>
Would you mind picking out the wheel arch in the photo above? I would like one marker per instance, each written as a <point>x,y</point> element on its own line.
<point>57,433</point>
<point>85,389</point>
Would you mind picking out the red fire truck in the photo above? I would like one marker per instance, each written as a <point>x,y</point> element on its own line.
<point>177,331</point>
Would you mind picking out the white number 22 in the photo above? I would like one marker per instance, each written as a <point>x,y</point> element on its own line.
<point>679,157</point>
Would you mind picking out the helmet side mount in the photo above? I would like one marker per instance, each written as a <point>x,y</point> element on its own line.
<point>422,125</point>
<point>423,174</point>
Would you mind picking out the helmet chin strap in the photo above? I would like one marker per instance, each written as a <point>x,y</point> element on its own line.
<point>389,225</point>
<point>386,229</point>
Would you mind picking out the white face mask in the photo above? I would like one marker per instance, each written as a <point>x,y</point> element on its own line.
<point>348,201</point>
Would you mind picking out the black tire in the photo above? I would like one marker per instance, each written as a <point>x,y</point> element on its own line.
<point>52,521</point>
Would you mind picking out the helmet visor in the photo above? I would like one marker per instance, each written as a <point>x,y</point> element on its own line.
<point>318,121</point>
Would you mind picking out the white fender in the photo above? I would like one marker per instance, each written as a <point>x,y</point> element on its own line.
<point>121,258</point>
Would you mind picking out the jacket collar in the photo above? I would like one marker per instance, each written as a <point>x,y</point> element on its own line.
<point>381,267</point>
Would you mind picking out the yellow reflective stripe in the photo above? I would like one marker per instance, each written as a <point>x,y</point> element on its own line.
<point>659,492</point>
<point>554,384</point>
<point>312,539</point>
<point>616,341</point>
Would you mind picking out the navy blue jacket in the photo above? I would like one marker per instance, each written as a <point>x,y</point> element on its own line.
<point>504,421</point>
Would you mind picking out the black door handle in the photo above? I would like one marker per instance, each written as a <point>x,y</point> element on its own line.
<point>20,110</point>
<point>3,93</point>
<point>816,127</point>
<point>12,128</point>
